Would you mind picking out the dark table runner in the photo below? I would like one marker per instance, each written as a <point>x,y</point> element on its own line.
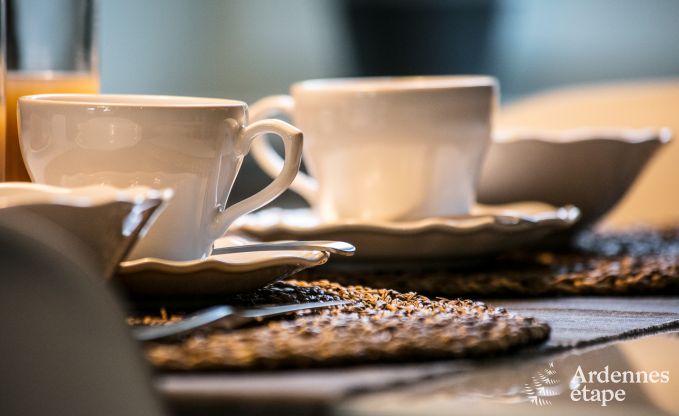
<point>576,322</point>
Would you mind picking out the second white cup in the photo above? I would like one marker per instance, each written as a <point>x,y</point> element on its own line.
<point>386,149</point>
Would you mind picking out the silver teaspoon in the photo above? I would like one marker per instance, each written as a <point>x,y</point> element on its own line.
<point>335,247</point>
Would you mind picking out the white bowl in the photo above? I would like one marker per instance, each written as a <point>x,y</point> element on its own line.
<point>106,220</point>
<point>591,168</point>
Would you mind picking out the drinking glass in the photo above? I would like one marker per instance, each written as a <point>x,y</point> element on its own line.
<point>51,48</point>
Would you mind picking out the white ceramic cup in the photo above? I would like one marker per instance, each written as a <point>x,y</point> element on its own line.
<point>193,145</point>
<point>386,149</point>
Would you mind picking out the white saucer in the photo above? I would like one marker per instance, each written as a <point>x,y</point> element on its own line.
<point>489,230</point>
<point>221,274</point>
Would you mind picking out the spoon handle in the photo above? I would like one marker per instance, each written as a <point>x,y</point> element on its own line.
<point>229,317</point>
<point>334,247</point>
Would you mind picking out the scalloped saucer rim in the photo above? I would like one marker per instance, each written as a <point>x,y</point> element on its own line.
<point>506,216</point>
<point>215,275</point>
<point>490,230</point>
<point>232,262</point>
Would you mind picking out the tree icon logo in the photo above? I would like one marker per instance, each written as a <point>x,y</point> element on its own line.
<point>543,386</point>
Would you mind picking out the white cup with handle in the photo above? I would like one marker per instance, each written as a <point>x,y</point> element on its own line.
<point>193,145</point>
<point>386,149</point>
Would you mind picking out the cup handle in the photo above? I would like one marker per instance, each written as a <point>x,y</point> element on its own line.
<point>266,157</point>
<point>292,141</point>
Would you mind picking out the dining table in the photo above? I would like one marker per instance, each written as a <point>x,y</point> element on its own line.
<point>609,300</point>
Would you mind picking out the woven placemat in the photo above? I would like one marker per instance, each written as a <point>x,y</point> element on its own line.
<point>382,325</point>
<point>634,262</point>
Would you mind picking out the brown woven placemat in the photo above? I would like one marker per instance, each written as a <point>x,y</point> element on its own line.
<point>382,325</point>
<point>634,262</point>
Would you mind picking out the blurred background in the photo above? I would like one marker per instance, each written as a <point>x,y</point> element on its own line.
<point>247,49</point>
<point>251,48</point>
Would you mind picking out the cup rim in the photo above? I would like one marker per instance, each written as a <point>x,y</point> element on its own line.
<point>395,83</point>
<point>131,100</point>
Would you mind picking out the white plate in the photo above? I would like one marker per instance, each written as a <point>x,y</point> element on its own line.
<point>488,231</point>
<point>221,274</point>
<point>591,168</point>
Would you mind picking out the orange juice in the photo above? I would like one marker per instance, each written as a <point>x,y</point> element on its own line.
<point>27,83</point>
<point>2,140</point>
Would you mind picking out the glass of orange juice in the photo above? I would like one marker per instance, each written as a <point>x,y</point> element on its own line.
<point>2,90</point>
<point>51,48</point>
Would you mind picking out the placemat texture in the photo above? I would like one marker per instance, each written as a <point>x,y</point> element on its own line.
<point>575,322</point>
<point>383,325</point>
<point>634,262</point>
